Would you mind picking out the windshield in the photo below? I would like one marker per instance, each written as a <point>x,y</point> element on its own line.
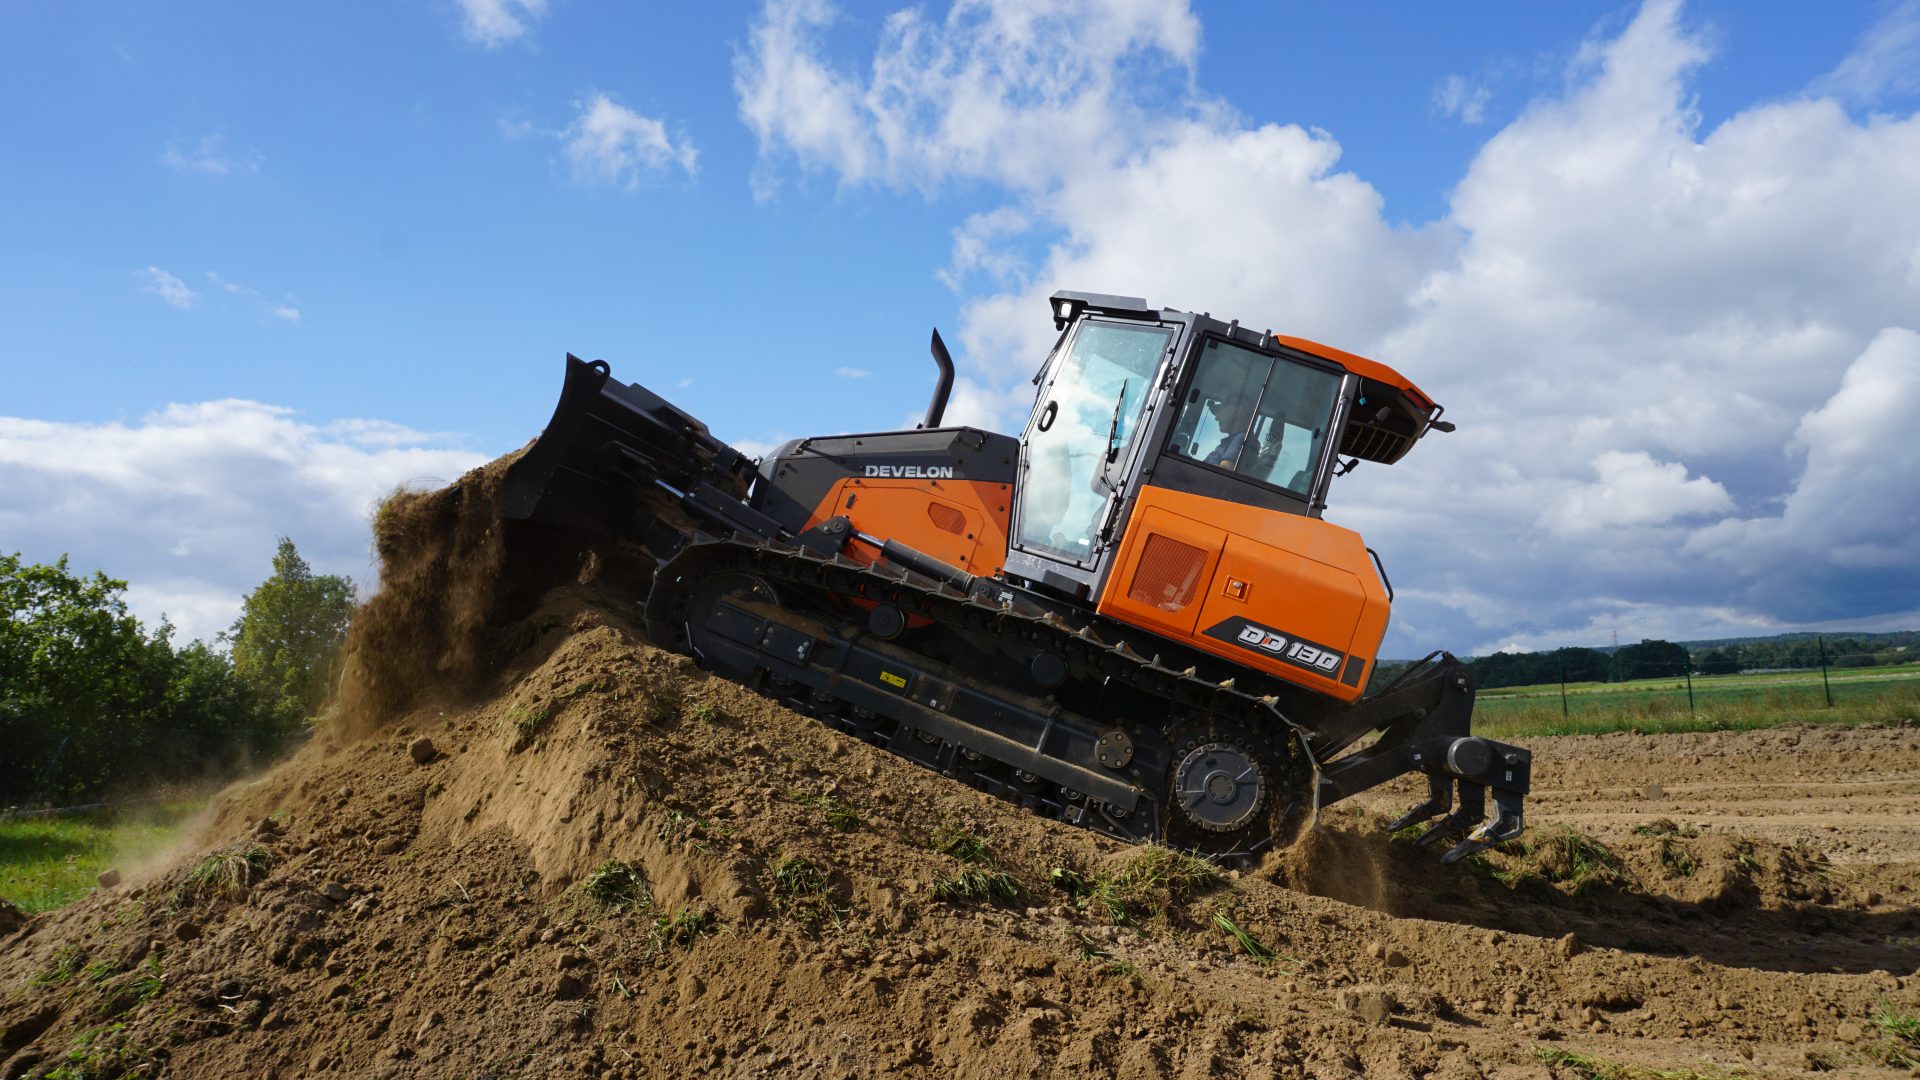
<point>1091,405</point>
<point>1260,416</point>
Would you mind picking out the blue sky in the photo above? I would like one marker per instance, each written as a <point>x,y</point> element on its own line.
<point>260,263</point>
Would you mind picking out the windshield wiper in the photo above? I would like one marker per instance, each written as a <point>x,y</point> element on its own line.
<point>1113,429</point>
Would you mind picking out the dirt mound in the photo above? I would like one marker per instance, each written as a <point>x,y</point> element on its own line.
<point>534,845</point>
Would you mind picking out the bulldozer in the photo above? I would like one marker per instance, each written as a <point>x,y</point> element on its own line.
<point>1131,617</point>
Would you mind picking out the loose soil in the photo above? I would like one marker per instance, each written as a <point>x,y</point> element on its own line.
<point>528,843</point>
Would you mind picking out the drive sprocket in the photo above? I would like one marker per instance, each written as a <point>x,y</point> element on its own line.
<point>1232,788</point>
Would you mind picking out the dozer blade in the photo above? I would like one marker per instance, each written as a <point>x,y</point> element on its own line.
<point>613,452</point>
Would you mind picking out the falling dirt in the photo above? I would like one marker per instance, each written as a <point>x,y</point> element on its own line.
<point>531,844</point>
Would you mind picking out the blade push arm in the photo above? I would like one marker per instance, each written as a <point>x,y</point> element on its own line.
<point>1424,720</point>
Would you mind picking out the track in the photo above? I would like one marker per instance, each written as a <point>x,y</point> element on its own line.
<point>1193,713</point>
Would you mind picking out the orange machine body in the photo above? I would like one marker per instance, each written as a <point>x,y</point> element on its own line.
<point>960,522</point>
<point>1186,565</point>
<point>1190,564</point>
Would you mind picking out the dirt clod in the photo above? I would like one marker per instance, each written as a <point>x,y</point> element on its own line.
<point>422,750</point>
<point>1369,1004</point>
<point>108,878</point>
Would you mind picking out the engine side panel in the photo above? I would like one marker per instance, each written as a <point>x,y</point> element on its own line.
<point>945,491</point>
<point>1291,596</point>
<point>961,522</point>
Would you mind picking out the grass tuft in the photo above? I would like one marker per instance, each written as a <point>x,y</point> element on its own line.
<point>1677,858</point>
<point>1564,855</point>
<point>683,927</point>
<point>1105,962</point>
<point>1899,1044</point>
<point>838,815</point>
<point>66,962</point>
<point>1249,944</point>
<point>980,885</point>
<point>106,1051</point>
<point>527,724</point>
<point>801,891</point>
<point>617,884</point>
<point>1151,881</point>
<point>960,844</point>
<point>1587,1067</point>
<point>228,872</point>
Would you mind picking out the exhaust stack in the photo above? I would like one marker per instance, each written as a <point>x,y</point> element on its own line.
<point>937,408</point>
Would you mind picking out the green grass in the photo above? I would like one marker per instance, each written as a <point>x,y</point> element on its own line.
<point>1152,880</point>
<point>1587,1067</point>
<point>1560,854</point>
<point>683,927</point>
<point>1102,960</point>
<point>1720,703</point>
<point>102,1052</point>
<point>617,884</point>
<point>1899,1030</point>
<point>960,844</point>
<point>49,862</point>
<point>979,885</point>
<point>1249,944</point>
<point>838,815</point>
<point>801,891</point>
<point>228,872</point>
<point>527,723</point>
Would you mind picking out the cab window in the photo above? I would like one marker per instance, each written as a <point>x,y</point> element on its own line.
<point>1260,416</point>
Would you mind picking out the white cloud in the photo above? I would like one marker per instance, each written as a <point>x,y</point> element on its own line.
<point>1849,529</point>
<point>493,23</point>
<point>609,143</point>
<point>1011,91</point>
<point>284,311</point>
<point>209,154</point>
<point>853,373</point>
<point>1886,60</point>
<point>1632,489</point>
<point>171,290</point>
<point>1629,314</point>
<point>186,503</point>
<point>1462,99</point>
<point>978,247</point>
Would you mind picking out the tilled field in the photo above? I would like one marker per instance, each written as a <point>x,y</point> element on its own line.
<point>531,844</point>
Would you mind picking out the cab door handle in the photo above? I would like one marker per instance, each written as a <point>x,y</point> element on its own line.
<point>1047,415</point>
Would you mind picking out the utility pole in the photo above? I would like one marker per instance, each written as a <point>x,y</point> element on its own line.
<point>1563,688</point>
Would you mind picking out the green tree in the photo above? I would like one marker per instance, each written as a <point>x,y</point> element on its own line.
<point>289,633</point>
<point>1718,662</point>
<point>71,666</point>
<point>93,704</point>
<point>1649,659</point>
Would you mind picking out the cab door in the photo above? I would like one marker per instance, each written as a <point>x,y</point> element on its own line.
<point>1074,452</point>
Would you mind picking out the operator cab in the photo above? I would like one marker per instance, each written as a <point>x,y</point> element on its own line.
<point>1133,396</point>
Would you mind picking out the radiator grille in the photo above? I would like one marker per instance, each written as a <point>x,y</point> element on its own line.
<point>947,518</point>
<point>1168,575</point>
<point>1374,443</point>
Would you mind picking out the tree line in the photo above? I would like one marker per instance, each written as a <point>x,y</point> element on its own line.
<point>1656,659</point>
<point>94,704</point>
